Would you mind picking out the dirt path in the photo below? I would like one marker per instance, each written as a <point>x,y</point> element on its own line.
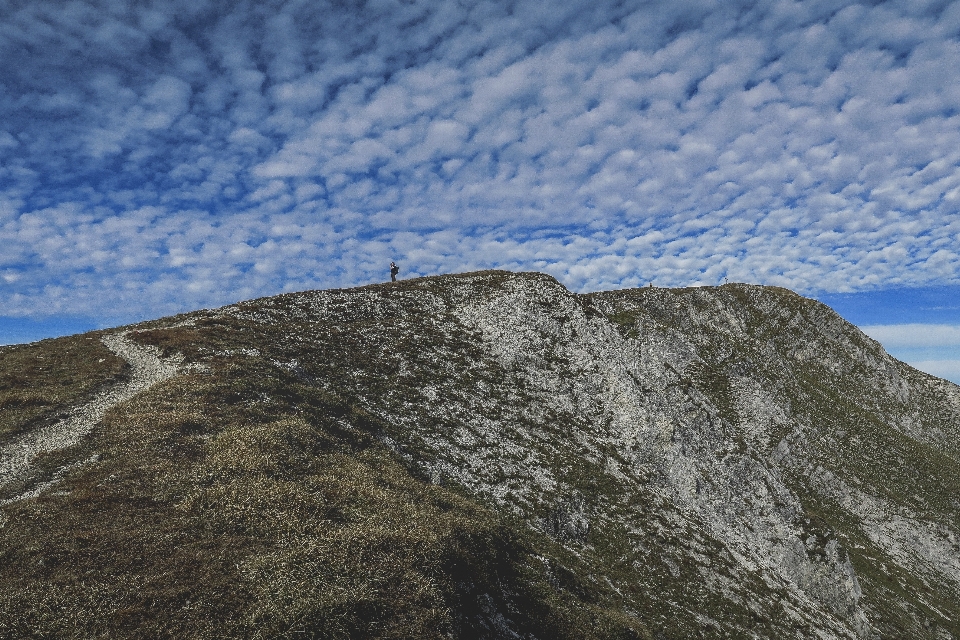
<point>147,370</point>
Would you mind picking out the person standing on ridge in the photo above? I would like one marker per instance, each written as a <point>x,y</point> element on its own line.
<point>394,270</point>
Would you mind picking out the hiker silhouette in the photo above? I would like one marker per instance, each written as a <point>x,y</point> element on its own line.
<point>394,270</point>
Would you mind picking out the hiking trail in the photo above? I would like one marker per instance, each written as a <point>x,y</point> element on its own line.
<point>147,369</point>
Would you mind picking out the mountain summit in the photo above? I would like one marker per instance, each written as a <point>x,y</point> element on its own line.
<point>484,455</point>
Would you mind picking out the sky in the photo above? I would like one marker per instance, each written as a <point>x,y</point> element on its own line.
<point>159,157</point>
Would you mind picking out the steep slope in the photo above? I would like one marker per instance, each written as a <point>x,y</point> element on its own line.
<point>865,447</point>
<point>489,455</point>
<point>20,451</point>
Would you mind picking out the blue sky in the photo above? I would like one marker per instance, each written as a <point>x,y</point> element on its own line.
<point>919,325</point>
<point>157,157</point>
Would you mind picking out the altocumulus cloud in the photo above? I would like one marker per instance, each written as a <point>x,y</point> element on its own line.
<point>160,156</point>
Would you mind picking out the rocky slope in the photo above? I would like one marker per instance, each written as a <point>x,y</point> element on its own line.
<point>485,455</point>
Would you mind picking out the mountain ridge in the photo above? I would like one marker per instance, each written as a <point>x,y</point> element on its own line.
<point>731,461</point>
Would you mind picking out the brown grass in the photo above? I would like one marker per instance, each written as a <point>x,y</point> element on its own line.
<point>40,379</point>
<point>243,503</point>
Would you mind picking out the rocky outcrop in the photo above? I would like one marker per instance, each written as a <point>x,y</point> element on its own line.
<point>732,461</point>
<point>723,418</point>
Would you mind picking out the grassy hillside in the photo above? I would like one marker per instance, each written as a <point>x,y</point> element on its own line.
<point>41,379</point>
<point>251,500</point>
<point>486,456</point>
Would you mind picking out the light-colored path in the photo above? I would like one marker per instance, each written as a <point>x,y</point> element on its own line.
<point>148,369</point>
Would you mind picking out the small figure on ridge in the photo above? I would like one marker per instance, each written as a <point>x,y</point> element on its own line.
<point>394,270</point>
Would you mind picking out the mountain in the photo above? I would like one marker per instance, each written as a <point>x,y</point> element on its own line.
<point>484,455</point>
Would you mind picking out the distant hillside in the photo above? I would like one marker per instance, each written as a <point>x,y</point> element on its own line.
<point>484,455</point>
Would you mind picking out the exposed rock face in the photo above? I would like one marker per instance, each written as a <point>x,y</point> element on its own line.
<point>732,462</point>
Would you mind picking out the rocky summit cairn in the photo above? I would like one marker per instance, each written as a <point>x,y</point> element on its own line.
<point>484,455</point>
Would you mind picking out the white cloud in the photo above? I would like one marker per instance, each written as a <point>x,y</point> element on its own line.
<point>905,336</point>
<point>813,145</point>
<point>7,140</point>
<point>932,348</point>
<point>946,369</point>
<point>168,95</point>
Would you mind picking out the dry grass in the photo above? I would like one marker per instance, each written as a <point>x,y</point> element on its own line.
<point>246,503</point>
<point>40,379</point>
<point>256,499</point>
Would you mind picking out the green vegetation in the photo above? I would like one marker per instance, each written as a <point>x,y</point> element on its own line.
<point>39,380</point>
<point>380,463</point>
<point>831,381</point>
<point>246,501</point>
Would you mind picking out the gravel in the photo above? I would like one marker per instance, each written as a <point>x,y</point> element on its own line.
<point>148,368</point>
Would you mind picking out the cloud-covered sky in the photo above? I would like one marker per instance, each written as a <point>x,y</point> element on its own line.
<point>161,156</point>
